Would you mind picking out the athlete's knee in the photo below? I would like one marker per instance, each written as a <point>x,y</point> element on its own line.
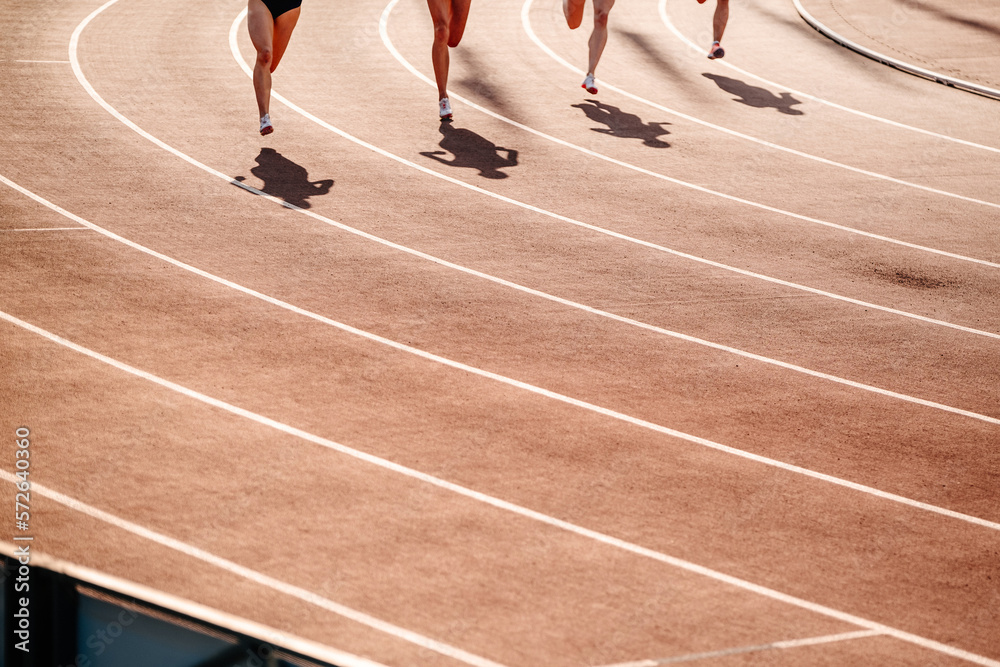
<point>601,17</point>
<point>442,31</point>
<point>265,57</point>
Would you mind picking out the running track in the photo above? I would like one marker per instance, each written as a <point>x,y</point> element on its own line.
<point>650,376</point>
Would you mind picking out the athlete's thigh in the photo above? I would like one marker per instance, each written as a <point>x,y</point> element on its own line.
<point>573,9</point>
<point>440,11</point>
<point>459,16</point>
<point>260,24</point>
<point>283,27</point>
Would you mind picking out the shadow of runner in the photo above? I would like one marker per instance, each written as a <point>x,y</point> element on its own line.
<point>286,180</point>
<point>472,151</point>
<point>752,96</point>
<point>624,125</point>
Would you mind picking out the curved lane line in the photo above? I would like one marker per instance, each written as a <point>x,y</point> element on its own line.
<point>413,70</point>
<point>168,602</point>
<point>430,356</point>
<point>820,100</point>
<point>217,561</point>
<point>571,221</point>
<point>504,505</point>
<point>827,32</point>
<point>510,381</point>
<point>526,21</point>
<point>543,295</point>
<point>521,288</point>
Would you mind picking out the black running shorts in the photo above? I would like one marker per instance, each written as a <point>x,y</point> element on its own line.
<point>279,7</point>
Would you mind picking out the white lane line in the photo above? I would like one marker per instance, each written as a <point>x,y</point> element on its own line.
<point>527,290</point>
<point>549,297</point>
<point>259,578</point>
<point>49,229</point>
<point>526,22</point>
<point>427,355</point>
<point>863,114</point>
<point>272,636</point>
<point>961,84</point>
<point>383,30</point>
<point>809,641</point>
<point>421,353</point>
<point>517,383</point>
<point>623,237</point>
<point>488,500</point>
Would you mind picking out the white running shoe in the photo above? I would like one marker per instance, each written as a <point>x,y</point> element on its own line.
<point>444,109</point>
<point>716,51</point>
<point>588,84</point>
<point>265,125</point>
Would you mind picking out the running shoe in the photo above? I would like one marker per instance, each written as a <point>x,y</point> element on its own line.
<point>444,109</point>
<point>701,2</point>
<point>716,51</point>
<point>588,85</point>
<point>265,125</point>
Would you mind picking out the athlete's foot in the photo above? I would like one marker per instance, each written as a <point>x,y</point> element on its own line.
<point>589,84</point>
<point>716,51</point>
<point>444,109</point>
<point>701,2</point>
<point>265,125</point>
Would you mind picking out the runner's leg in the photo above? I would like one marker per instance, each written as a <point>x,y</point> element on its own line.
<point>283,27</point>
<point>261,27</point>
<point>441,14</point>
<point>573,10</point>
<point>720,19</point>
<point>599,38</point>
<point>459,16</point>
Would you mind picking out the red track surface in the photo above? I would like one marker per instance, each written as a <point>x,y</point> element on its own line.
<point>695,368</point>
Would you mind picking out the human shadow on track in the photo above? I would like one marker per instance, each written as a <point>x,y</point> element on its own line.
<point>752,96</point>
<point>472,151</point>
<point>624,125</point>
<point>287,180</point>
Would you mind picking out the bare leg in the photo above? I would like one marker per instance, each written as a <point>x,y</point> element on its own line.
<point>720,19</point>
<point>261,27</point>
<point>459,16</point>
<point>599,38</point>
<point>283,27</point>
<point>449,18</point>
<point>573,10</point>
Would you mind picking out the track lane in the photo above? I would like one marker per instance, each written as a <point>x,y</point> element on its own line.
<point>665,17</point>
<point>576,531</point>
<point>800,54</point>
<point>647,72</point>
<point>206,190</point>
<point>763,144</point>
